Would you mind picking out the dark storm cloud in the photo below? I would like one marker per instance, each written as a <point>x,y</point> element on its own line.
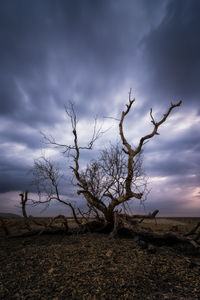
<point>14,175</point>
<point>171,54</point>
<point>52,50</point>
<point>170,207</point>
<point>174,154</point>
<point>31,139</point>
<point>189,141</point>
<point>55,51</point>
<point>171,165</point>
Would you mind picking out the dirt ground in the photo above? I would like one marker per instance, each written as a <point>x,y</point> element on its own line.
<point>91,266</point>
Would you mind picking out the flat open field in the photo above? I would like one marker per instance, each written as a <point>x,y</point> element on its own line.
<point>91,266</point>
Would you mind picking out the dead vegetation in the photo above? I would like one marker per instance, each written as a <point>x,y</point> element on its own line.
<point>107,183</point>
<point>93,266</point>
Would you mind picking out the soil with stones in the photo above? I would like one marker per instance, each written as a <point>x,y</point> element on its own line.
<point>92,266</point>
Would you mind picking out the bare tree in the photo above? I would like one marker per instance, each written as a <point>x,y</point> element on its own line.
<point>116,176</point>
<point>106,183</point>
<point>46,178</point>
<point>29,221</point>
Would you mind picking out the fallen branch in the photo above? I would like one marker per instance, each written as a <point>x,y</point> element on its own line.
<point>48,228</point>
<point>123,225</point>
<point>193,231</point>
<point>53,227</point>
<point>149,216</point>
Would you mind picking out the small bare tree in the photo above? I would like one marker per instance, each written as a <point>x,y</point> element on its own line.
<point>116,176</point>
<point>46,178</point>
<point>29,220</point>
<point>23,203</point>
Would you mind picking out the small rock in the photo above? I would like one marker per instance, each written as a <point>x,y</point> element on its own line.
<point>151,249</point>
<point>51,271</point>
<point>109,253</point>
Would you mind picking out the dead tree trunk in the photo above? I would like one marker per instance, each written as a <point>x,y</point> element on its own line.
<point>24,199</point>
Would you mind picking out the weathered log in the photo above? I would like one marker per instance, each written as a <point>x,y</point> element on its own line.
<point>47,228</point>
<point>141,234</point>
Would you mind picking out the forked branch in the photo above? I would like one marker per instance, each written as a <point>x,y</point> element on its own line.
<point>156,126</point>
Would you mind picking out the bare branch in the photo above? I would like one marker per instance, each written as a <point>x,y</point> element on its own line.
<point>46,179</point>
<point>156,126</point>
<point>124,113</point>
<point>112,118</point>
<point>193,231</point>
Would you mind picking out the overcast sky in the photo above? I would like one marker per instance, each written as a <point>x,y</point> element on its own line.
<point>92,52</point>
